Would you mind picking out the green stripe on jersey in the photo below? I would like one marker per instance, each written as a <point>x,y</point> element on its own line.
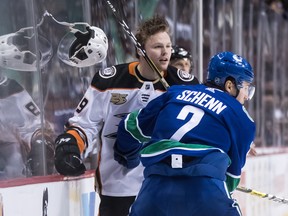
<point>164,145</point>
<point>232,183</point>
<point>131,125</point>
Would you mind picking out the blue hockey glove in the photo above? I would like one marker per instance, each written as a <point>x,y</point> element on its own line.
<point>129,160</point>
<point>67,156</point>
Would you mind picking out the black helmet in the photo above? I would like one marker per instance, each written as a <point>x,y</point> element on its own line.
<point>180,53</point>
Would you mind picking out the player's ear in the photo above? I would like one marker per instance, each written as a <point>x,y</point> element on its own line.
<point>230,87</point>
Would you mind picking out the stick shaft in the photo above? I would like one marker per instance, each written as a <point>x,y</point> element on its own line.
<point>262,195</point>
<point>137,44</point>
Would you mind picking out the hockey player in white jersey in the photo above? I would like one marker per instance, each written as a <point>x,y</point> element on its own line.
<point>21,138</point>
<point>114,92</point>
<point>22,142</point>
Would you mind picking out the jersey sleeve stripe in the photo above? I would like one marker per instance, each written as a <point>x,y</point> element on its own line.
<point>131,125</point>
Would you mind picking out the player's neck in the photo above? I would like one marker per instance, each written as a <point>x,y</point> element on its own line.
<point>147,72</point>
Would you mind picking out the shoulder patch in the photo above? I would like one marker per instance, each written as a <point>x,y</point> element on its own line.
<point>108,72</point>
<point>185,76</point>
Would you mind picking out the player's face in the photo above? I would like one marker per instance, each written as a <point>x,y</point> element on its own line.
<point>158,47</point>
<point>245,92</point>
<point>183,64</point>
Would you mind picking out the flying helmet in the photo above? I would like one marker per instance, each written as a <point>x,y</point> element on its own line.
<point>83,48</point>
<point>18,50</point>
<point>227,64</point>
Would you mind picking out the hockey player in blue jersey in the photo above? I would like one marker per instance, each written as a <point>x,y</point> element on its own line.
<point>193,142</point>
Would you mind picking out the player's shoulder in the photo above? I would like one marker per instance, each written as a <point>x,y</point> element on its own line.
<point>113,72</point>
<point>177,76</point>
<point>185,88</point>
<point>235,107</point>
<point>9,87</point>
<point>116,76</point>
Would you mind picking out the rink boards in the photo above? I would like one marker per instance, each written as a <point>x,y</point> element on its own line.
<point>56,195</point>
<point>50,196</point>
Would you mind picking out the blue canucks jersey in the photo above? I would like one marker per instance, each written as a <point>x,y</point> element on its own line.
<point>192,121</point>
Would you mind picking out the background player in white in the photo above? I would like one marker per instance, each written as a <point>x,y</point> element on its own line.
<point>21,138</point>
<point>114,92</point>
<point>193,142</point>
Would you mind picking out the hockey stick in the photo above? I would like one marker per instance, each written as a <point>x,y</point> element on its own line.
<point>137,44</point>
<point>262,195</point>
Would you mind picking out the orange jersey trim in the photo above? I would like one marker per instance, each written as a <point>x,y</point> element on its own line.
<point>132,67</point>
<point>79,140</point>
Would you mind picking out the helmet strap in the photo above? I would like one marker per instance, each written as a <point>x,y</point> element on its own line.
<point>237,92</point>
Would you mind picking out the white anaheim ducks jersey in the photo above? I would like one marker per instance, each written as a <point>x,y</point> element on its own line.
<point>19,118</point>
<point>19,115</point>
<point>115,92</point>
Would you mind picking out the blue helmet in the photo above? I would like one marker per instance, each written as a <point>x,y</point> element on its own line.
<point>228,64</point>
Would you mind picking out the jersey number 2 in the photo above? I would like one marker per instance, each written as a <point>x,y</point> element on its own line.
<point>195,119</point>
